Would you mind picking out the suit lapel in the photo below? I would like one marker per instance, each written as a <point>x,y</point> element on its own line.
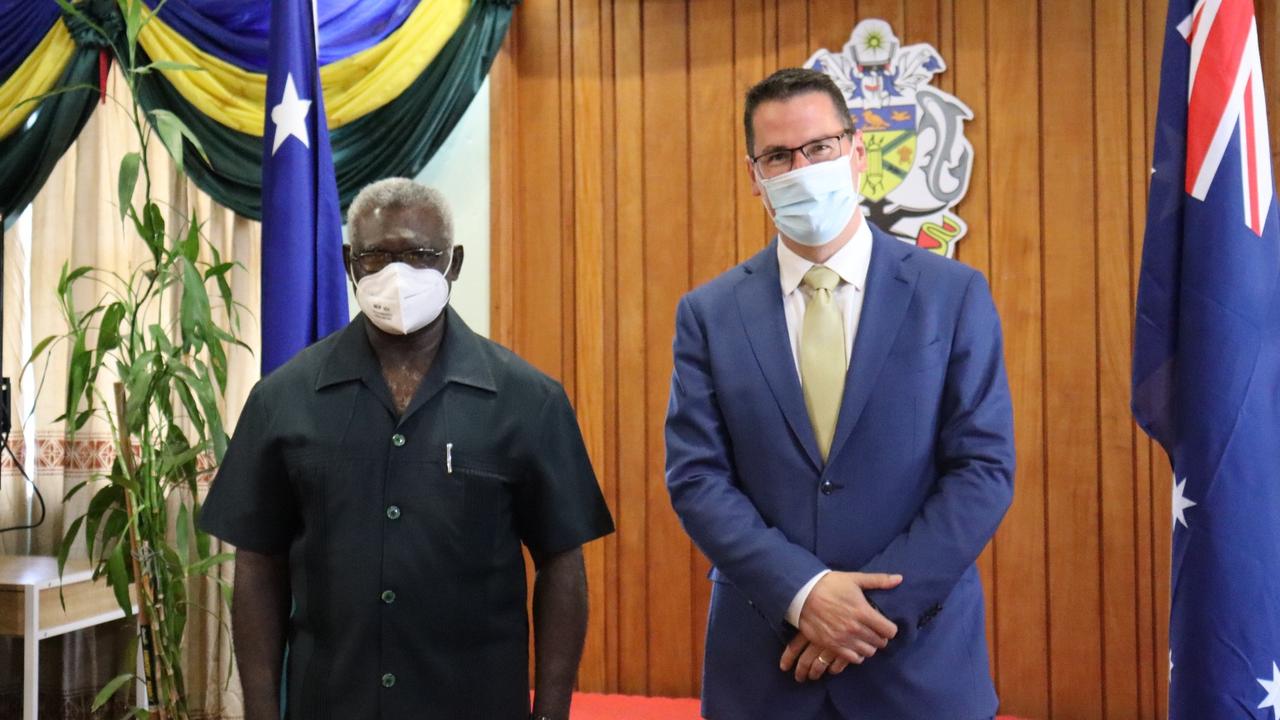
<point>890,284</point>
<point>759,297</point>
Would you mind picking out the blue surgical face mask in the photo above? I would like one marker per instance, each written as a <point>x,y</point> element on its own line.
<point>814,203</point>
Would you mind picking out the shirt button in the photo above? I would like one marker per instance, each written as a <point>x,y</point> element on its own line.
<point>393,512</point>
<point>388,596</point>
<point>397,440</point>
<point>828,488</point>
<point>388,680</point>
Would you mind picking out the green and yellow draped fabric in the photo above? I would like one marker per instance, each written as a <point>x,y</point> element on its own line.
<point>397,75</point>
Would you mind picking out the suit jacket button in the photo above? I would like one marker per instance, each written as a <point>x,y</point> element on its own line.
<point>828,488</point>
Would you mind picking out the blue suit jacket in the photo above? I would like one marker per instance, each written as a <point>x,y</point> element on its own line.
<point>919,475</point>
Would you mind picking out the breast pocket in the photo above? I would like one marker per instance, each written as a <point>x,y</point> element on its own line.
<point>486,524</point>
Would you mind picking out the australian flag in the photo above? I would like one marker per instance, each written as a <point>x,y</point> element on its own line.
<point>304,294</point>
<point>1206,366</point>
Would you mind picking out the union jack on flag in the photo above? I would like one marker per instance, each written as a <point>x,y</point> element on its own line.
<point>1225,96</point>
<point>1206,361</point>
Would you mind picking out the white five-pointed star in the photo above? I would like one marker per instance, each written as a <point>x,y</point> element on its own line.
<point>1272,687</point>
<point>1180,502</point>
<point>290,116</point>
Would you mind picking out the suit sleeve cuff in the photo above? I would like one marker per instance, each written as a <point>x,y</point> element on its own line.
<point>797,602</point>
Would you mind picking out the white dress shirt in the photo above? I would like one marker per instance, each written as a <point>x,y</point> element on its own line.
<point>850,263</point>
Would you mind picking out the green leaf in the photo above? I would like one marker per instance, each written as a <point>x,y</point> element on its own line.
<point>194,309</point>
<point>65,281</point>
<point>191,247</point>
<point>118,577</point>
<point>110,689</point>
<point>174,460</point>
<point>200,567</point>
<point>161,339</point>
<point>67,541</point>
<point>77,375</point>
<point>136,385</point>
<point>128,181</point>
<point>203,541</point>
<point>72,492</point>
<point>218,359</point>
<point>172,131</point>
<point>189,402</point>
<point>219,270</point>
<point>212,415</point>
<point>115,526</point>
<point>153,223</point>
<point>183,530</point>
<point>167,65</point>
<point>102,500</point>
<point>132,21</point>
<point>109,328</point>
<point>40,347</point>
<point>168,127</point>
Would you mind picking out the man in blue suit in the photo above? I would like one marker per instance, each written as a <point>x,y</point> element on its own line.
<point>839,444</point>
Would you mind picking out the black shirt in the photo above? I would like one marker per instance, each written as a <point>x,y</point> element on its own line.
<point>404,533</point>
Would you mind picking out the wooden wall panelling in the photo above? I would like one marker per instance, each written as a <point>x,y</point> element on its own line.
<point>1116,430</point>
<point>539,285</point>
<point>666,263</point>
<point>793,34</point>
<point>748,69</point>
<point>830,22</point>
<point>609,421</point>
<point>632,418</point>
<point>963,46</point>
<point>1069,329</point>
<point>1014,166</point>
<point>588,272</point>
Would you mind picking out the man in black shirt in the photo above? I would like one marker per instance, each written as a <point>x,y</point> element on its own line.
<point>378,490</point>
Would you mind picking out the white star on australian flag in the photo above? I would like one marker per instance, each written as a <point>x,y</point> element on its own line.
<point>1180,503</point>
<point>290,116</point>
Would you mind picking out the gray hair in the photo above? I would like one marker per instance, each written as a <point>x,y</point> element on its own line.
<point>400,193</point>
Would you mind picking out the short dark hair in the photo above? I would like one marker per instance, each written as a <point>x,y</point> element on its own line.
<point>786,84</point>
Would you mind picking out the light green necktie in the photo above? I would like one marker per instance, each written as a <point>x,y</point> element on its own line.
<point>822,364</point>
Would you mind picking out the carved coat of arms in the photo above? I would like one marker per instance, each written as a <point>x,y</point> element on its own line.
<point>918,160</point>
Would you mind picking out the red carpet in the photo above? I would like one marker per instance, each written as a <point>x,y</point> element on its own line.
<point>591,706</point>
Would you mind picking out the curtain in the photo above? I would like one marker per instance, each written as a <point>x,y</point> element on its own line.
<point>398,74</point>
<point>74,218</point>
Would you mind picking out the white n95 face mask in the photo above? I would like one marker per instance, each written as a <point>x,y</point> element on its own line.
<point>814,203</point>
<point>401,299</point>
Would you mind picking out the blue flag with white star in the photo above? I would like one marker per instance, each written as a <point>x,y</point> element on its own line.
<point>1206,364</point>
<point>304,293</point>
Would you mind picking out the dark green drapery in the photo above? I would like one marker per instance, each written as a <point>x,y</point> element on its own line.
<point>29,154</point>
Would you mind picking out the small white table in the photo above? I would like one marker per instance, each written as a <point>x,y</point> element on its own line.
<point>30,606</point>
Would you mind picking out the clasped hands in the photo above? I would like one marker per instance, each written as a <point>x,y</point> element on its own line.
<point>839,626</point>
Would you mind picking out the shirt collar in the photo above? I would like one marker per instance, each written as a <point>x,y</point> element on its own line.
<point>850,262</point>
<point>460,359</point>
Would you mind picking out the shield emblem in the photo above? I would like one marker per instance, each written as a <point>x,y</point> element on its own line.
<point>889,134</point>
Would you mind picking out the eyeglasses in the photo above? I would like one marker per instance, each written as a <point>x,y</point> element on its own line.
<point>780,160</point>
<point>371,261</point>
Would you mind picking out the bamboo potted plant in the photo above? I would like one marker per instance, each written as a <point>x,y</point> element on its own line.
<point>155,339</point>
